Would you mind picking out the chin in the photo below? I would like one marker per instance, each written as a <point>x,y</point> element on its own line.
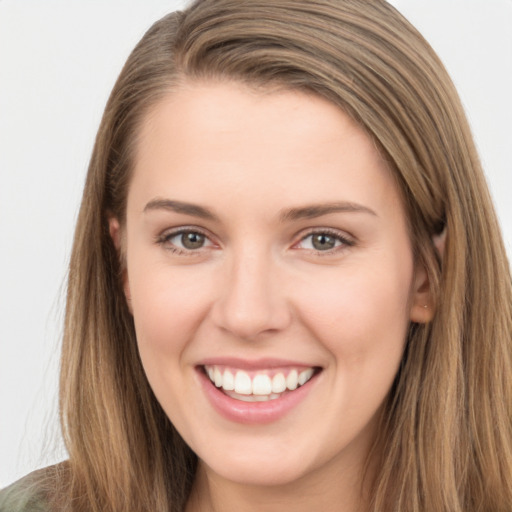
<point>261,461</point>
<point>249,472</point>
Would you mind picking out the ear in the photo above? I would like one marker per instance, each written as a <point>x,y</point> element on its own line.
<point>114,229</point>
<point>439,242</point>
<point>422,306</point>
<point>116,233</point>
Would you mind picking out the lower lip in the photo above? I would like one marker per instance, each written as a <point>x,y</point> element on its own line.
<point>253,412</point>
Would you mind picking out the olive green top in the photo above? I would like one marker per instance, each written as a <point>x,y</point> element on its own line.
<point>23,496</point>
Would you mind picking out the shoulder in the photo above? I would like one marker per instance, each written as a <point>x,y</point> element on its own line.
<point>26,495</point>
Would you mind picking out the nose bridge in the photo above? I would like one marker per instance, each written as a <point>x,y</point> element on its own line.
<point>251,301</point>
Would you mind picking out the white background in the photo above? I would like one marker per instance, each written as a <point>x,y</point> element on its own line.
<point>58,62</point>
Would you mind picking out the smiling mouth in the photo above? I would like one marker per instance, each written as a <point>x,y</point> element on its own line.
<point>259,386</point>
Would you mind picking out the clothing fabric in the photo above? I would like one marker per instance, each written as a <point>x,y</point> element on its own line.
<point>24,496</point>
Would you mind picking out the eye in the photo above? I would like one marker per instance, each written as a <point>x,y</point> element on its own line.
<point>190,240</point>
<point>324,241</point>
<point>184,240</point>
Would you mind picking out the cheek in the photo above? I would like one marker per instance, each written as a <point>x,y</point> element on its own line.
<point>361,316</point>
<point>167,307</point>
<point>363,324</point>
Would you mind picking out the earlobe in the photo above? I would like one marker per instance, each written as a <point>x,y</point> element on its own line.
<point>117,237</point>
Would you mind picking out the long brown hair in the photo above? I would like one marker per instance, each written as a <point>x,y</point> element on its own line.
<point>446,437</point>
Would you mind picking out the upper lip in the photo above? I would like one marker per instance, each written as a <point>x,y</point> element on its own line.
<point>254,364</point>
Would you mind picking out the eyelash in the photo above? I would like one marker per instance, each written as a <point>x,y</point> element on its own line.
<point>164,240</point>
<point>346,242</point>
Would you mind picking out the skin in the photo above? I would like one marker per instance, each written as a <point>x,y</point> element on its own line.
<point>259,288</point>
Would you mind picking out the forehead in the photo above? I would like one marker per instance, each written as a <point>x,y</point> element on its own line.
<point>226,136</point>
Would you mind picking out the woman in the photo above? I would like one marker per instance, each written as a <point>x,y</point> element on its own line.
<point>288,288</point>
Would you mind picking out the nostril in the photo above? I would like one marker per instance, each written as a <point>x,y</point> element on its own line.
<point>251,321</point>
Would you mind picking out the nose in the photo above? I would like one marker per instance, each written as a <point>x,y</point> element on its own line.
<point>252,300</point>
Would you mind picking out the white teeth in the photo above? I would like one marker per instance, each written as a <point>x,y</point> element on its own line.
<point>305,376</point>
<point>261,385</point>
<point>228,381</point>
<point>217,376</point>
<point>278,383</point>
<point>243,384</point>
<point>292,381</point>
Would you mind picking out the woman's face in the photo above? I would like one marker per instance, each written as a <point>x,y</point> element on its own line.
<point>267,251</point>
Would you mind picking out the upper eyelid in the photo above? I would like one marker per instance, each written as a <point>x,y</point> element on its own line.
<point>169,233</point>
<point>184,229</point>
<point>343,235</point>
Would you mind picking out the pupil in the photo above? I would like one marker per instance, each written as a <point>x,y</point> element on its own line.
<point>192,240</point>
<point>323,242</point>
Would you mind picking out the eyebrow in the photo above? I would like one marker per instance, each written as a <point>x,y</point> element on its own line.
<point>291,214</point>
<point>181,207</point>
<point>317,210</point>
